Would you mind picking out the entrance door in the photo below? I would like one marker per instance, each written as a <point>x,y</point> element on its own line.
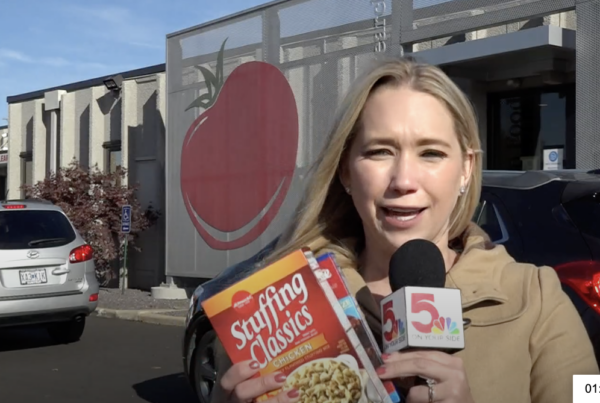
<point>524,123</point>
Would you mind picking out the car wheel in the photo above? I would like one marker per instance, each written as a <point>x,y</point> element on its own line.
<point>205,374</point>
<point>67,332</point>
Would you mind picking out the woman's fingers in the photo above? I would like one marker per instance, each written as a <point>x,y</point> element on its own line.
<point>447,371</point>
<point>287,396</point>
<point>442,392</point>
<point>416,365</point>
<point>438,356</point>
<point>237,374</point>
<point>239,387</point>
<point>253,388</point>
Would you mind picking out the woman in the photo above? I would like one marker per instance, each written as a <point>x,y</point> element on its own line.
<point>403,161</point>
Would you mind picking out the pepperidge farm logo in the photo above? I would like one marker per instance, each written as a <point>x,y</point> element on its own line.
<point>394,330</point>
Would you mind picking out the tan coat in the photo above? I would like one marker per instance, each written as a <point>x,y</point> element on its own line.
<point>525,341</point>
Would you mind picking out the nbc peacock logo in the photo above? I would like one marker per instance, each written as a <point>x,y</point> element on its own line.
<point>445,325</point>
<point>399,329</point>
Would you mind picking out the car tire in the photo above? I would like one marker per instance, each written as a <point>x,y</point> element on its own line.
<point>66,332</point>
<point>204,372</point>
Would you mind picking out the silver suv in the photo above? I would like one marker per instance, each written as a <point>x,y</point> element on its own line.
<point>47,274</point>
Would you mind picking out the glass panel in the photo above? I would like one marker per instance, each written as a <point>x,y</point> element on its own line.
<point>524,124</point>
<point>20,229</point>
<point>2,187</point>
<point>115,160</point>
<point>488,221</point>
<point>29,173</point>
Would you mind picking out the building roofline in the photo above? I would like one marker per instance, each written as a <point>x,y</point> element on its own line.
<point>238,14</point>
<point>158,68</point>
<point>4,127</point>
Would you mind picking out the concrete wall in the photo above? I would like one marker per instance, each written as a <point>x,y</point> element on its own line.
<point>87,119</point>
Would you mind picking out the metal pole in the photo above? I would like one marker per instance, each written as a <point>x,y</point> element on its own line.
<point>124,274</point>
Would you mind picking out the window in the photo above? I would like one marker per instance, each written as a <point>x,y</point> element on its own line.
<point>525,122</point>
<point>26,170</point>
<point>114,159</point>
<point>3,187</point>
<point>585,213</point>
<point>489,219</point>
<point>24,229</point>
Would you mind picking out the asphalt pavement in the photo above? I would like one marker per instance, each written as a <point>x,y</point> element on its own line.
<point>116,361</point>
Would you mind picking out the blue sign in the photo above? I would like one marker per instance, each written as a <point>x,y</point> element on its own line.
<point>553,156</point>
<point>126,219</point>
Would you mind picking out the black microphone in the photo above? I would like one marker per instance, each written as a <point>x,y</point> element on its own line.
<point>420,312</point>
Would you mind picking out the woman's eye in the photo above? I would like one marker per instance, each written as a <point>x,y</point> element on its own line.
<point>433,154</point>
<point>378,152</point>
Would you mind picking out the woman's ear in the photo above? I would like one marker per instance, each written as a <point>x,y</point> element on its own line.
<point>468,163</point>
<point>344,181</point>
<point>343,174</point>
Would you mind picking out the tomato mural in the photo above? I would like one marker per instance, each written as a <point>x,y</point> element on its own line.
<point>238,156</point>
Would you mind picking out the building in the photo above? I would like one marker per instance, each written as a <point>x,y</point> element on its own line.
<point>108,122</point>
<point>524,66</point>
<point>3,160</point>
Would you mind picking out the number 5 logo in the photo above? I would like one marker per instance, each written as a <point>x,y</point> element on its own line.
<point>388,316</point>
<point>420,303</point>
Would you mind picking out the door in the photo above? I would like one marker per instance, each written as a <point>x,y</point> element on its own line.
<point>524,123</point>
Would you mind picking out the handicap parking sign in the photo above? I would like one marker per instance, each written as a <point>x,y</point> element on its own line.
<point>126,219</point>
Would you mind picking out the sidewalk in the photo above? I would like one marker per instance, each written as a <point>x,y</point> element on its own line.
<point>139,306</point>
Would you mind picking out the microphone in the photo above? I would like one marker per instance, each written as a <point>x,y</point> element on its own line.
<point>420,312</point>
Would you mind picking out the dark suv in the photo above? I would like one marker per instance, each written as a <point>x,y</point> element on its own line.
<point>550,218</point>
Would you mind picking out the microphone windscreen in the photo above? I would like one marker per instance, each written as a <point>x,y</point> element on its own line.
<point>417,263</point>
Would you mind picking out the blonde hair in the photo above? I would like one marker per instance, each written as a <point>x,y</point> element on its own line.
<point>326,219</point>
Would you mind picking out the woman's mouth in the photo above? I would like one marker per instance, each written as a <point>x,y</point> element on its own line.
<point>402,215</point>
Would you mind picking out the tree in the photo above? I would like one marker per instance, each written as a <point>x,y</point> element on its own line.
<point>93,200</point>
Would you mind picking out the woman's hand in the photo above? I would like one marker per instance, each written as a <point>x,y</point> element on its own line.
<point>451,385</point>
<point>239,388</point>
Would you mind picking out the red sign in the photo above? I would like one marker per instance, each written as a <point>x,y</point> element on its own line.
<point>3,158</point>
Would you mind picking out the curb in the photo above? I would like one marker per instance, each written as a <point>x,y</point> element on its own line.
<point>153,316</point>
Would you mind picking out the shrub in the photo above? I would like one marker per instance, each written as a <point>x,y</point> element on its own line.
<point>93,200</point>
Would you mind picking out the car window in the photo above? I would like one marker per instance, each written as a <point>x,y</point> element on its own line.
<point>28,229</point>
<point>585,213</point>
<point>489,219</point>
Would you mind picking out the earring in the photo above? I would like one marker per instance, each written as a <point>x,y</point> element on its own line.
<point>348,190</point>
<point>462,190</point>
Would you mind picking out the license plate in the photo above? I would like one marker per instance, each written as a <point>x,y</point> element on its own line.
<point>29,277</point>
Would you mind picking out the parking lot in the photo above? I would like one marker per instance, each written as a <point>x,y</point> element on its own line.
<point>116,361</point>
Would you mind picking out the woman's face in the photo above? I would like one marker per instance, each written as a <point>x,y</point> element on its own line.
<point>405,168</point>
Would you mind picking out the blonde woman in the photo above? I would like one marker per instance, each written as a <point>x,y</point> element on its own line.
<point>403,162</point>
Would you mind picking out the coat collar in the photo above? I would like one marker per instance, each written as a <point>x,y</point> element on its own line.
<point>486,275</point>
<point>478,271</point>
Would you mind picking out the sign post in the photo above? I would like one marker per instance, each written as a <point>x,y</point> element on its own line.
<point>125,229</point>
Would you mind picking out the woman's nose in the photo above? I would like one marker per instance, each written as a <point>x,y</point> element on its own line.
<point>404,174</point>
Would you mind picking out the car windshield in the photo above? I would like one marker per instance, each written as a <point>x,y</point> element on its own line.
<point>25,229</point>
